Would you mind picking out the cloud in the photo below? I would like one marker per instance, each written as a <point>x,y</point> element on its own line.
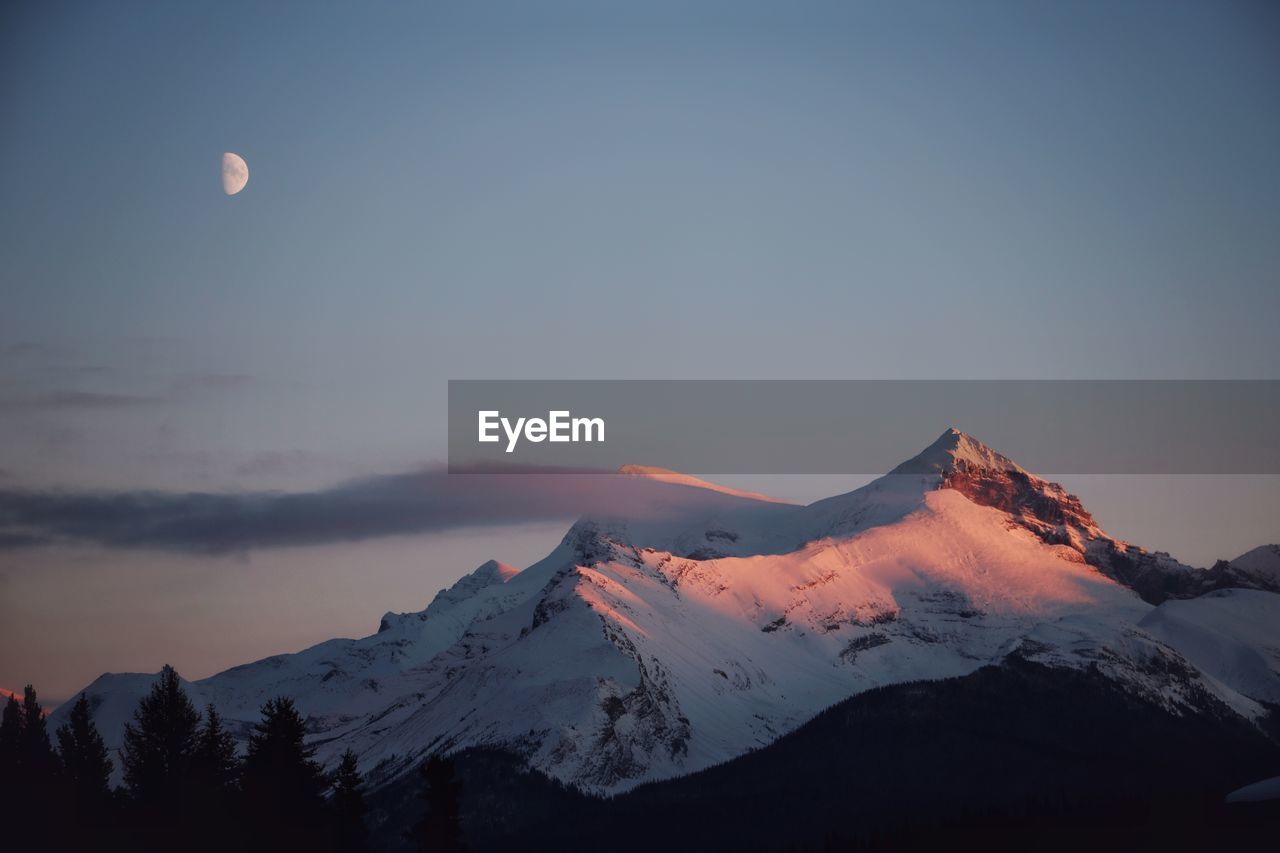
<point>209,382</point>
<point>72,400</point>
<point>68,400</point>
<point>22,349</point>
<point>419,502</point>
<point>9,541</point>
<point>271,463</point>
<point>25,356</point>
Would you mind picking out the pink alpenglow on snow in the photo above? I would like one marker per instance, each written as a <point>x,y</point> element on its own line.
<point>666,635</point>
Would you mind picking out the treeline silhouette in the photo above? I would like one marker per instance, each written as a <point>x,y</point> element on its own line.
<point>187,788</point>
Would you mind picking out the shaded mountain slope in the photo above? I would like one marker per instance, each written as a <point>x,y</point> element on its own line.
<point>1014,756</point>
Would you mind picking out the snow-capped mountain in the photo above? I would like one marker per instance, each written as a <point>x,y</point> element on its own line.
<point>1260,567</point>
<point>716,620</point>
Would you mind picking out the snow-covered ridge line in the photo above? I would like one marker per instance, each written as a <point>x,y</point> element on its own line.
<point>663,475</point>
<point>657,644</point>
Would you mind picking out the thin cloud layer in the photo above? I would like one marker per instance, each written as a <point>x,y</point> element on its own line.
<point>71,400</point>
<point>421,502</point>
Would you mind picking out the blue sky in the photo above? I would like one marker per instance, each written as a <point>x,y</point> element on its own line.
<point>880,190</point>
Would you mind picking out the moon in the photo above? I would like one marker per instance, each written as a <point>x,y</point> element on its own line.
<point>235,173</point>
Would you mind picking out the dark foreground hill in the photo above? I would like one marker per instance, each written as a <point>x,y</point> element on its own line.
<point>1018,756</point>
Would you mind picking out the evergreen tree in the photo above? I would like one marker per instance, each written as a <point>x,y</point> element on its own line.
<point>32,774</point>
<point>85,761</point>
<point>36,758</point>
<point>348,807</point>
<point>159,744</point>
<point>283,785</point>
<point>440,829</point>
<point>217,768</point>
<point>86,776</point>
<point>10,736</point>
<point>215,783</point>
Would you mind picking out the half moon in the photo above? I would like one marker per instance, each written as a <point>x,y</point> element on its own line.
<point>235,173</point>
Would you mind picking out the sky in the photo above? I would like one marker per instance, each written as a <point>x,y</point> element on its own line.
<point>580,190</point>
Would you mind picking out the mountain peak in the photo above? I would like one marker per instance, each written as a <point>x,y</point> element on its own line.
<point>956,451</point>
<point>1262,562</point>
<point>494,571</point>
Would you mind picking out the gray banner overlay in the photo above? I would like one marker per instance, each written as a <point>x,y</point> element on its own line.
<point>868,426</point>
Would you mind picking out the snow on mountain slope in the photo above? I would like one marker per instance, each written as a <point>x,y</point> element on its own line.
<point>954,451</point>
<point>1230,634</point>
<point>663,475</point>
<point>1258,792</point>
<point>964,464</point>
<point>113,697</point>
<point>666,665</point>
<point>1262,563</point>
<point>332,680</point>
<point>456,607</point>
<point>340,680</point>
<point>710,621</point>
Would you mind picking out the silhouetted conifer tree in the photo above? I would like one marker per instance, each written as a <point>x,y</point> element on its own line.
<point>217,768</point>
<point>440,829</point>
<point>157,753</point>
<point>85,760</point>
<point>283,785</point>
<point>32,775</point>
<point>159,745</point>
<point>348,807</point>
<point>10,735</point>
<point>215,784</point>
<point>86,768</point>
<point>36,758</point>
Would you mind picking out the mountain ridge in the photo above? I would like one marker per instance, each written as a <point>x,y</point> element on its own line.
<point>651,646</point>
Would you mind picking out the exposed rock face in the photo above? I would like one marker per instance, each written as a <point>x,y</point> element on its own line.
<point>1058,518</point>
<point>1036,503</point>
<point>987,478</point>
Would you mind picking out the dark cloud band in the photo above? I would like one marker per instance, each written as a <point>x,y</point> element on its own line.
<point>419,502</point>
